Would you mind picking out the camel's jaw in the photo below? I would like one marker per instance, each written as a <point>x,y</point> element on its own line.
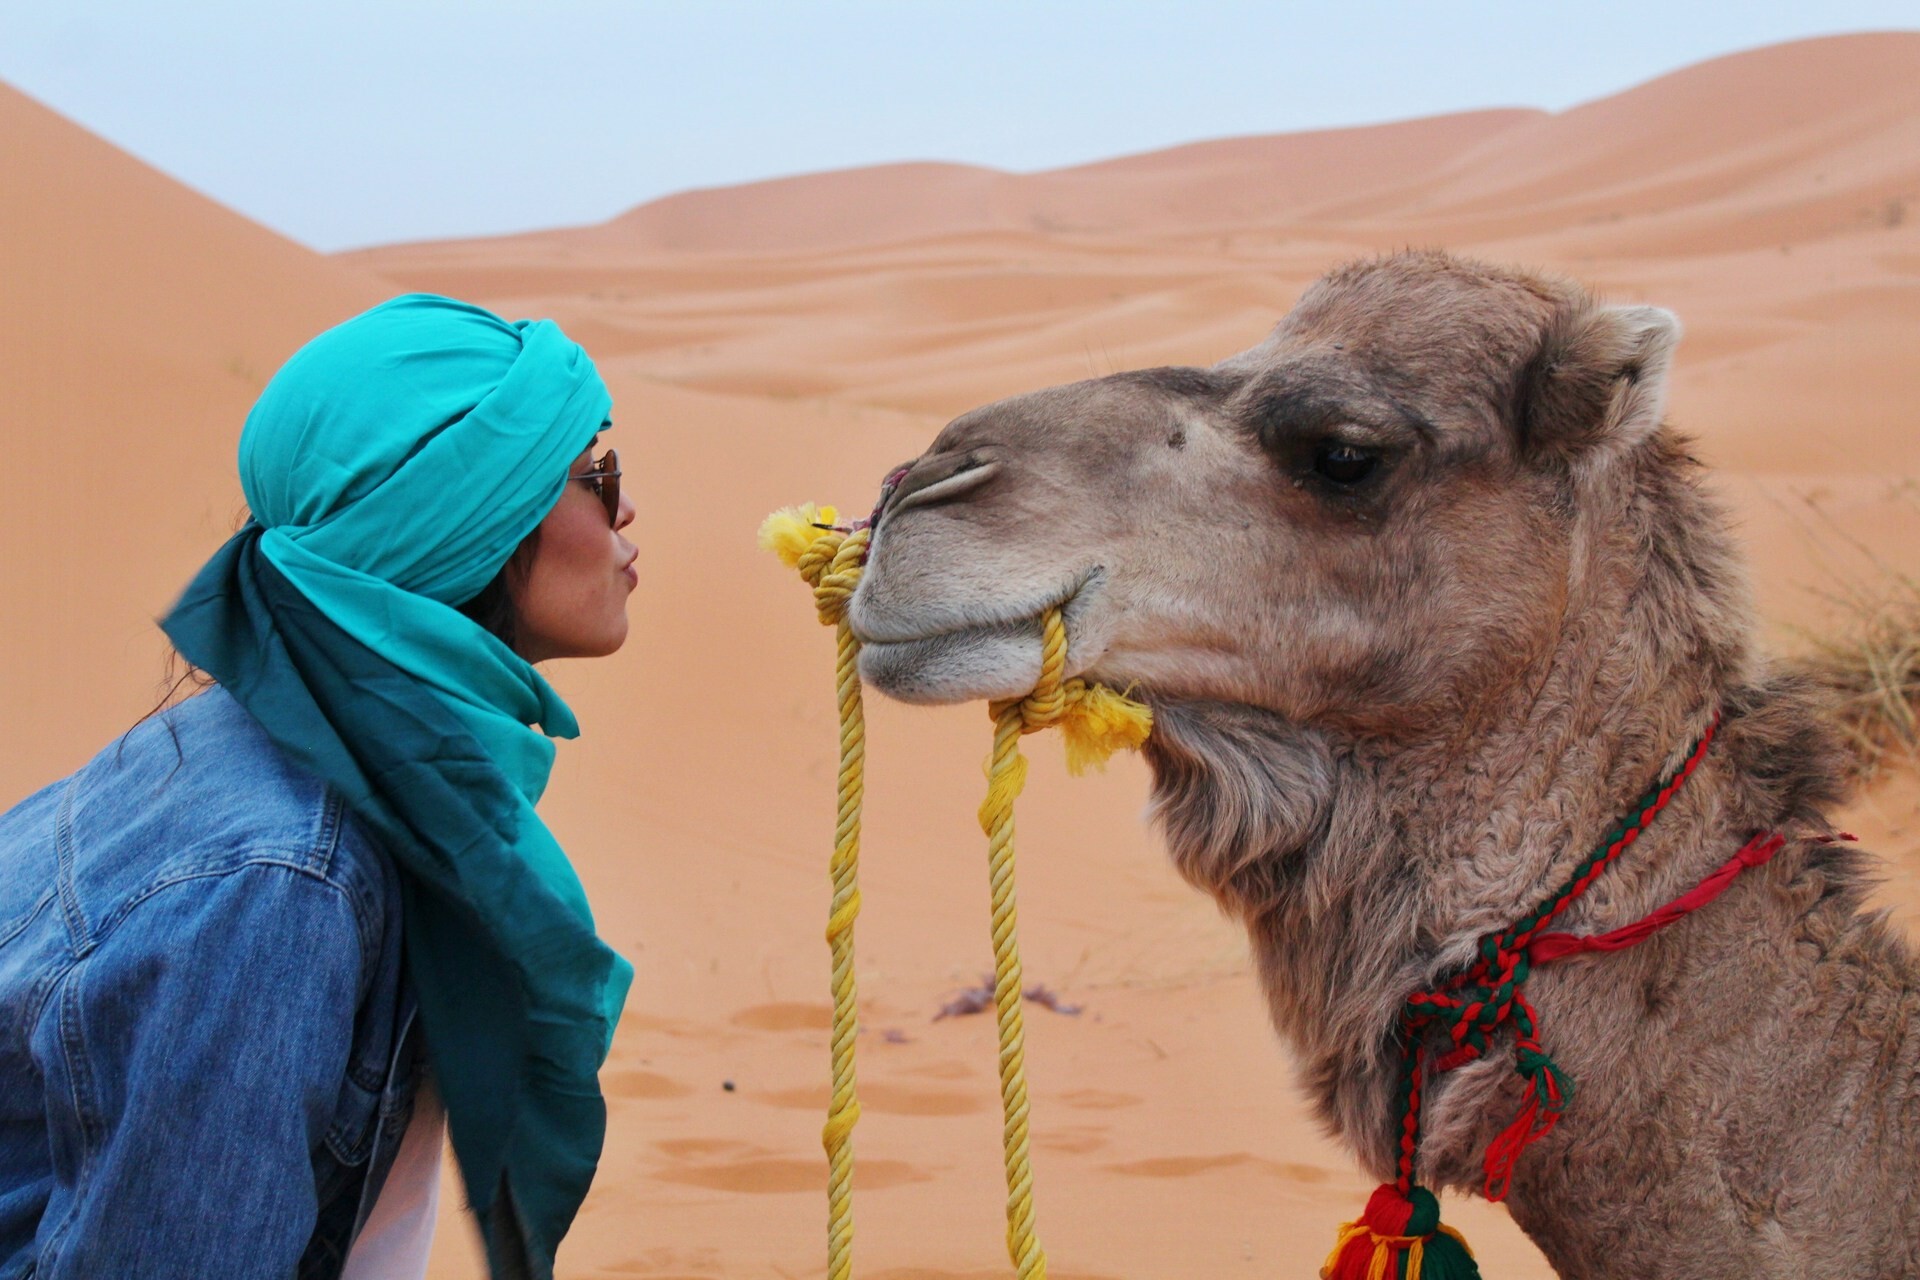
<point>937,658</point>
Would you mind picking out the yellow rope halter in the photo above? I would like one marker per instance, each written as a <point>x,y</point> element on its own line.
<point>1096,722</point>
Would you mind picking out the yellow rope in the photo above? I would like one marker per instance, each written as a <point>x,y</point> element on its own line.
<point>830,560</point>
<point>1096,722</point>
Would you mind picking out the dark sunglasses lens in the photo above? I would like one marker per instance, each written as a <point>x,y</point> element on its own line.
<point>610,486</point>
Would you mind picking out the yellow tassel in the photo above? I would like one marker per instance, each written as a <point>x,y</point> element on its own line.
<point>1100,721</point>
<point>791,531</point>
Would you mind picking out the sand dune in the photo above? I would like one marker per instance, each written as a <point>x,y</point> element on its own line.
<point>141,321</point>
<point>793,339</point>
<point>1772,199</point>
<point>1226,182</point>
<point>1822,129</point>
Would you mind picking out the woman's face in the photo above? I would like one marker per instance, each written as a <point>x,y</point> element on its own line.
<point>572,600</point>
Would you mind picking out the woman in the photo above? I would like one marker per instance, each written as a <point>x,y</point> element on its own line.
<point>240,945</point>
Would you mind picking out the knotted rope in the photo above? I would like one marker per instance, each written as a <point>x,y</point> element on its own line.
<point>1096,722</point>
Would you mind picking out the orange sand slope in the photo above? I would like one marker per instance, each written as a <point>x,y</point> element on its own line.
<point>140,322</point>
<point>792,340</point>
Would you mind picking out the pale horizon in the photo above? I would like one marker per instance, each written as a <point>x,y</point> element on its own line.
<point>356,124</point>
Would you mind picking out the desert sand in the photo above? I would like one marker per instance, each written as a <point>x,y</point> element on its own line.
<point>792,340</point>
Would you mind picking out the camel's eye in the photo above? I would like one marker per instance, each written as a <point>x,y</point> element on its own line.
<point>1344,464</point>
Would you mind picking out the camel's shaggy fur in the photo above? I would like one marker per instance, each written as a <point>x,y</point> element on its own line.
<point>1393,711</point>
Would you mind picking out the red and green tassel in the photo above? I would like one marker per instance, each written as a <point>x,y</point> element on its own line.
<point>1400,1237</point>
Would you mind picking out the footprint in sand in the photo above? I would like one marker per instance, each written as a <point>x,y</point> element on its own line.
<point>889,1099</point>
<point>791,1016</point>
<point>632,1022</point>
<point>942,1070</point>
<point>670,1264</point>
<point>755,1172</point>
<point>701,1148</point>
<point>634,1083</point>
<point>1098,1100</point>
<point>1189,1166</point>
<point>1075,1140</point>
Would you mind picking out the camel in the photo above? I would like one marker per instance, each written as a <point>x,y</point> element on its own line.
<point>1424,592</point>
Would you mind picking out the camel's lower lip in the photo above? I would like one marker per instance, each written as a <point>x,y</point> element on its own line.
<point>935,641</point>
<point>1001,661</point>
<point>869,635</point>
<point>963,664</point>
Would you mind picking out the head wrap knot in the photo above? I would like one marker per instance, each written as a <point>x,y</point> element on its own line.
<point>418,443</point>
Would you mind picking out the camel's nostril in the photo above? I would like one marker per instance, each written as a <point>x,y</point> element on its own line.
<point>887,487</point>
<point>940,479</point>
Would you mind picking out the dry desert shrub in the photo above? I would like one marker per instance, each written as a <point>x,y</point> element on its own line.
<point>1870,659</point>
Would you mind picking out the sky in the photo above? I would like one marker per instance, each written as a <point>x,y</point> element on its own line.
<point>357,122</point>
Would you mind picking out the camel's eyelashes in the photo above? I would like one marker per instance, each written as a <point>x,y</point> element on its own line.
<point>1344,464</point>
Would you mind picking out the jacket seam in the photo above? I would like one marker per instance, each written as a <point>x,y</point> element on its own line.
<point>82,1096</point>
<point>287,860</point>
<point>37,1009</point>
<point>42,991</point>
<point>33,913</point>
<point>326,841</point>
<point>314,859</point>
<point>71,912</point>
<point>355,1153</point>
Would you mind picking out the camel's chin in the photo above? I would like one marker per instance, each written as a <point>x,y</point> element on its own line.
<point>978,664</point>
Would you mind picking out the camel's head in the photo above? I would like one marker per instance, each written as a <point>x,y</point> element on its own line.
<point>1371,515</point>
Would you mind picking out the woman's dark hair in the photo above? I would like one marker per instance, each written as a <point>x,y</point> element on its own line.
<point>493,607</point>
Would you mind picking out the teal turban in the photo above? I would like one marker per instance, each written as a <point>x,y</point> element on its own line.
<point>392,466</point>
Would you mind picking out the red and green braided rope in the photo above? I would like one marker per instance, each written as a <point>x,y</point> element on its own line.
<point>1472,1006</point>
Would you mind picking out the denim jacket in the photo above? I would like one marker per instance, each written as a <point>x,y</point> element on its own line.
<point>207,1055</point>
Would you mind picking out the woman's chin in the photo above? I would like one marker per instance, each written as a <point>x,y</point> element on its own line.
<point>576,642</point>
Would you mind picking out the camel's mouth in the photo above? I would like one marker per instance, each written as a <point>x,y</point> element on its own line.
<point>988,657</point>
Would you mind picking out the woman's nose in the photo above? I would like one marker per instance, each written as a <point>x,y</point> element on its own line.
<point>627,511</point>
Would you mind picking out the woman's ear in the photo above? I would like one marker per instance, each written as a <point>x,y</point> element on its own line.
<point>1598,380</point>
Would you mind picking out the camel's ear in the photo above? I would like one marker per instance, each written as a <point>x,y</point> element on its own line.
<point>1599,380</point>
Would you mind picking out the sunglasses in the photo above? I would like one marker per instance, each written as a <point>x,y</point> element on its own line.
<point>604,479</point>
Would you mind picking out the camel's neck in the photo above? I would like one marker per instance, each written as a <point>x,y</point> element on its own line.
<point>1516,783</point>
<point>1364,872</point>
<point>1365,867</point>
<point>1499,807</point>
